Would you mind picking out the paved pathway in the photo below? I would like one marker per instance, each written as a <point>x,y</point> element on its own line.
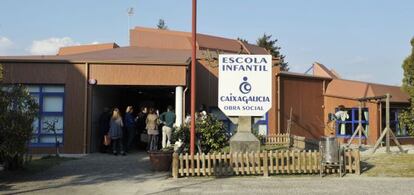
<point>106,174</point>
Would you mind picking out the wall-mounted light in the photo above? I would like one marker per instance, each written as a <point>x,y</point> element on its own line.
<point>92,81</point>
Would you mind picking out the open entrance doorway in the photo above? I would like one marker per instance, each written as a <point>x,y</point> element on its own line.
<point>106,96</point>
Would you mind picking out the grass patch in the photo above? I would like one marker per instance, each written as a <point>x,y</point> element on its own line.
<point>390,165</point>
<point>273,147</point>
<point>33,167</point>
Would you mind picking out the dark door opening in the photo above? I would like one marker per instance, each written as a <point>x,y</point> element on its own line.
<point>122,96</point>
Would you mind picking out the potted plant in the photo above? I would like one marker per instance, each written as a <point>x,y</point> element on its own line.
<point>161,159</point>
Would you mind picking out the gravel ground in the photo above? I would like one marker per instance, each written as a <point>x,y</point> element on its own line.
<point>106,174</point>
<point>367,150</point>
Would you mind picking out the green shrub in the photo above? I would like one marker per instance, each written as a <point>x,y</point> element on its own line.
<point>406,120</point>
<point>210,135</point>
<point>17,112</point>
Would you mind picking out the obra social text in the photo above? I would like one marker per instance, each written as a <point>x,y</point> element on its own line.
<point>244,64</point>
<point>246,100</point>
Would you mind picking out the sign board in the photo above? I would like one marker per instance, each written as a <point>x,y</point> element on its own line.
<point>245,84</point>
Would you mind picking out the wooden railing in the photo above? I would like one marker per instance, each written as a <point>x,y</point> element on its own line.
<point>277,139</point>
<point>258,163</point>
<point>294,141</point>
<point>303,143</point>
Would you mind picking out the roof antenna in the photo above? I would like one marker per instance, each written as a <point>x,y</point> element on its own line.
<point>311,68</point>
<point>130,12</point>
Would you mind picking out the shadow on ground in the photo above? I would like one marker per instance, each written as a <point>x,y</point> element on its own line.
<point>366,166</point>
<point>92,169</point>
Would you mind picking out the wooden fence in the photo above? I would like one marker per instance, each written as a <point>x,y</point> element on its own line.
<point>294,141</point>
<point>258,163</point>
<point>303,143</point>
<point>277,139</point>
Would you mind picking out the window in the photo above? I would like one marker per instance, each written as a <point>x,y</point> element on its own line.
<point>394,122</point>
<point>260,124</point>
<point>346,126</point>
<point>51,109</point>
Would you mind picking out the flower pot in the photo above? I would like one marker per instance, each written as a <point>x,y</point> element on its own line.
<point>160,160</point>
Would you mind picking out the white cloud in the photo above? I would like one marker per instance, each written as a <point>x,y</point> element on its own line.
<point>5,45</point>
<point>50,46</point>
<point>358,60</point>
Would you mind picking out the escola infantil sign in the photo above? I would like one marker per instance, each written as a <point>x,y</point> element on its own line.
<point>245,84</point>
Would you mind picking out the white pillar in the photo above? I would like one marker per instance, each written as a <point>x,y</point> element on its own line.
<point>179,105</point>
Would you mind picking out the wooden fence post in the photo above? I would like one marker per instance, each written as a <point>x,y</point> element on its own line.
<point>187,166</point>
<point>265,164</point>
<point>175,166</point>
<point>198,168</point>
<point>357,163</point>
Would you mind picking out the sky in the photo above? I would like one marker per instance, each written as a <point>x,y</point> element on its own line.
<point>361,40</point>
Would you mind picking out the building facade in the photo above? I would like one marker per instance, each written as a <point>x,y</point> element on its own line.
<point>74,86</point>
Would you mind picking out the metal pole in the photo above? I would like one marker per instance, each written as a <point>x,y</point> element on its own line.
<point>360,123</point>
<point>85,110</point>
<point>193,78</point>
<point>387,122</point>
<point>380,115</point>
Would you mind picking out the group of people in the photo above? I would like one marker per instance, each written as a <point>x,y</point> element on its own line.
<point>122,131</point>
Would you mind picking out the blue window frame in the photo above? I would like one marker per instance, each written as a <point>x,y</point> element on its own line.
<point>261,124</point>
<point>347,127</point>
<point>51,110</point>
<point>394,122</point>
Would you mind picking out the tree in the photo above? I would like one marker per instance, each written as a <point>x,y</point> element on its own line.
<point>242,40</point>
<point>406,118</point>
<point>1,73</point>
<point>270,45</point>
<point>18,110</point>
<point>161,25</point>
<point>50,126</point>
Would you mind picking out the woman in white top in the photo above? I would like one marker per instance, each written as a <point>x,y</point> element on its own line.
<point>152,129</point>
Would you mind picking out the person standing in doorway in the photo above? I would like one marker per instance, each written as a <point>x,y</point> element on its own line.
<point>168,118</point>
<point>202,112</point>
<point>115,132</point>
<point>103,130</point>
<point>152,129</point>
<point>130,127</point>
<point>140,124</point>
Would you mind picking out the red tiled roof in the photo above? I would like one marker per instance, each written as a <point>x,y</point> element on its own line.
<point>122,54</point>
<point>156,38</point>
<point>254,49</point>
<point>356,89</point>
<point>86,48</point>
<point>321,70</point>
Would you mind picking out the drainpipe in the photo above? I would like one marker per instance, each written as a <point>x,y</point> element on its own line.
<point>324,87</point>
<point>278,104</point>
<point>85,109</point>
<point>184,95</point>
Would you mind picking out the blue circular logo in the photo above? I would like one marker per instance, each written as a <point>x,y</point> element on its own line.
<point>245,86</point>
